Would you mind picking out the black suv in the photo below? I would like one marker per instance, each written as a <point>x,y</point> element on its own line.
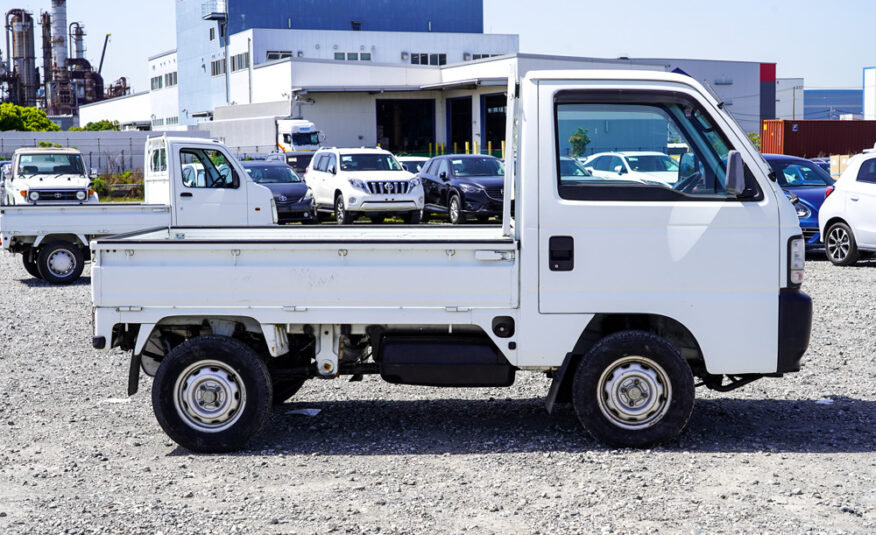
<point>462,185</point>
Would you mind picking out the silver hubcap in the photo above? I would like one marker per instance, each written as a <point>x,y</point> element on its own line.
<point>210,396</point>
<point>61,262</point>
<point>339,209</point>
<point>838,243</point>
<point>454,209</point>
<point>634,392</point>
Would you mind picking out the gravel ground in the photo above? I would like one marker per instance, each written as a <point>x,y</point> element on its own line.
<point>788,455</point>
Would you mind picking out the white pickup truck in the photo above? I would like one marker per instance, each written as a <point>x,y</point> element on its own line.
<point>199,184</point>
<point>620,291</point>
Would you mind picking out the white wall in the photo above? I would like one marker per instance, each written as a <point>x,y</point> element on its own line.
<point>164,102</point>
<point>789,98</point>
<point>130,108</point>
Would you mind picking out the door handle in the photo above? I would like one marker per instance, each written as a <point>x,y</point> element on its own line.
<point>561,253</point>
<point>185,194</point>
<point>854,198</point>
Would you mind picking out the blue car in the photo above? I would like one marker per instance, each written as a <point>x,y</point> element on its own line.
<point>809,183</point>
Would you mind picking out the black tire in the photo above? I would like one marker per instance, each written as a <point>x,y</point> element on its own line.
<point>646,365</point>
<point>342,216</point>
<point>454,210</point>
<point>28,258</point>
<point>840,245</point>
<point>412,218</point>
<point>425,216</point>
<point>319,217</point>
<point>60,262</point>
<point>285,389</point>
<point>233,365</point>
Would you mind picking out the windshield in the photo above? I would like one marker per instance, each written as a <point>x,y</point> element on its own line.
<point>305,138</point>
<point>573,168</point>
<point>272,174</point>
<point>800,174</point>
<point>50,164</point>
<point>652,163</point>
<point>369,162</point>
<point>465,167</point>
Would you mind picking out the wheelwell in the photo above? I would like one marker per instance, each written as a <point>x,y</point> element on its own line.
<point>71,238</point>
<point>603,325</point>
<point>832,220</point>
<point>338,192</point>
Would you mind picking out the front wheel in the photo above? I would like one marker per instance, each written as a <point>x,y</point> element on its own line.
<point>842,250</point>
<point>454,210</point>
<point>413,218</point>
<point>212,394</point>
<point>342,216</point>
<point>60,262</point>
<point>633,389</point>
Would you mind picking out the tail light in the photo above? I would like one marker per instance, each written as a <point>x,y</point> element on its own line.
<point>796,260</point>
<point>828,191</point>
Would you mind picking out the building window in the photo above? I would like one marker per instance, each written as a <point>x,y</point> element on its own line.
<point>365,56</point>
<point>170,79</point>
<point>352,56</point>
<point>212,33</point>
<point>274,55</point>
<point>240,62</point>
<point>217,67</point>
<point>171,120</point>
<point>340,56</point>
<point>158,121</point>
<point>428,59</point>
<point>156,83</point>
<point>482,56</point>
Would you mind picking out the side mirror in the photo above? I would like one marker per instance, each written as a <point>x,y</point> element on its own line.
<point>405,167</point>
<point>443,175</point>
<point>619,169</point>
<point>321,137</point>
<point>734,182</point>
<point>333,170</point>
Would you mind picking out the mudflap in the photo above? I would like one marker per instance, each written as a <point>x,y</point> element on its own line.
<point>134,375</point>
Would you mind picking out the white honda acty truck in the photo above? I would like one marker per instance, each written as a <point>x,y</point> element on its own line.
<point>624,293</point>
<point>188,181</point>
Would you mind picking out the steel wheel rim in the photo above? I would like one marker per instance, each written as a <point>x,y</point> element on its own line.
<point>61,262</point>
<point>838,243</point>
<point>634,392</point>
<point>454,209</point>
<point>209,396</point>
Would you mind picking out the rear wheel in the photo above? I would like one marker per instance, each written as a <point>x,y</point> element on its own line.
<point>842,250</point>
<point>30,264</point>
<point>212,394</point>
<point>60,262</point>
<point>633,389</point>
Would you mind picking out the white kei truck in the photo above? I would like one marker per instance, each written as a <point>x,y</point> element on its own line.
<point>187,181</point>
<point>621,292</point>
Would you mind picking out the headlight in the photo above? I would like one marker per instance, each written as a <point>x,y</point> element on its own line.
<point>470,188</point>
<point>34,196</point>
<point>81,195</point>
<point>358,184</point>
<point>802,211</point>
<point>308,196</point>
<point>415,182</point>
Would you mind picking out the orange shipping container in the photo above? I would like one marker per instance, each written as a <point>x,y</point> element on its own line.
<point>816,139</point>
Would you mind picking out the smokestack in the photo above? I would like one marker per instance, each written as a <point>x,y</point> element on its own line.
<point>59,38</point>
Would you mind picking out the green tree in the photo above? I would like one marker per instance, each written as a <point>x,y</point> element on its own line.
<point>21,118</point>
<point>579,142</point>
<point>755,139</point>
<point>97,126</point>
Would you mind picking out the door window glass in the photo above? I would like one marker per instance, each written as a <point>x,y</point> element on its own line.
<point>643,128</point>
<point>331,163</point>
<point>159,160</point>
<point>202,168</point>
<point>867,173</point>
<point>444,168</point>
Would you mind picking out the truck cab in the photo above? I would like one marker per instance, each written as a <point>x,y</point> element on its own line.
<point>48,176</point>
<point>295,135</point>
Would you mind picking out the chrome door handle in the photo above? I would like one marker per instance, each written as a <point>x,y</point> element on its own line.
<point>854,198</point>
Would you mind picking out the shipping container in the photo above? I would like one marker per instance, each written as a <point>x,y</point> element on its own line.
<point>814,139</point>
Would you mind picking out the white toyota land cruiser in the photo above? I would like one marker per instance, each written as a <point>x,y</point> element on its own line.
<point>356,182</point>
<point>48,175</point>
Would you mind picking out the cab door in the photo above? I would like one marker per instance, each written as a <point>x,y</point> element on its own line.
<point>687,251</point>
<point>208,190</point>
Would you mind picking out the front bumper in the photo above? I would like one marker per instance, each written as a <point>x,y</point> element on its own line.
<point>481,204</point>
<point>288,212</point>
<point>795,326</point>
<point>812,237</point>
<point>400,204</point>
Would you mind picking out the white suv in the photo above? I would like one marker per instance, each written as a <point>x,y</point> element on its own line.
<point>356,182</point>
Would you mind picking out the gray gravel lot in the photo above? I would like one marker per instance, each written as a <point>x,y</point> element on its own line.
<point>790,455</point>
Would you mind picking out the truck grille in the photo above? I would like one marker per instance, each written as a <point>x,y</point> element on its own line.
<point>495,193</point>
<point>57,195</point>
<point>388,188</point>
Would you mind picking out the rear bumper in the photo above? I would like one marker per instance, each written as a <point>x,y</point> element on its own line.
<point>795,326</point>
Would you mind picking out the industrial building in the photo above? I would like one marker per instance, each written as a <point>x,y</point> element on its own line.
<point>67,79</point>
<point>869,90</point>
<point>404,74</point>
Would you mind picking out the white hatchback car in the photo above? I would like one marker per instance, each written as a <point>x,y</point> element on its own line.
<point>847,219</point>
<point>355,182</point>
<point>647,167</point>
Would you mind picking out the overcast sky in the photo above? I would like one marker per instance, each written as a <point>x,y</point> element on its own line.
<point>827,43</point>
